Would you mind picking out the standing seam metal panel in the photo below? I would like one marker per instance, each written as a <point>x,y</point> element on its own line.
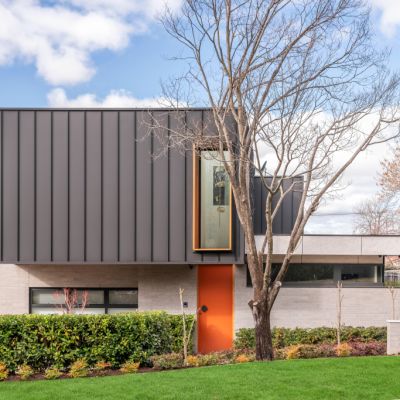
<point>89,186</point>
<point>287,213</point>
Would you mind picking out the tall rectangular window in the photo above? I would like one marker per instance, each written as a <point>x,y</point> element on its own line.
<point>212,211</point>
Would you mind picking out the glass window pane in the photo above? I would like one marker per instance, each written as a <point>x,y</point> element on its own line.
<point>121,310</point>
<point>88,311</point>
<point>215,204</point>
<point>361,273</point>
<point>46,310</point>
<point>94,296</point>
<point>123,297</point>
<point>392,273</point>
<point>55,310</point>
<point>47,296</point>
<point>57,296</point>
<point>321,274</point>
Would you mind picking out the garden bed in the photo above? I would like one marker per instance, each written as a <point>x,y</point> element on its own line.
<point>173,361</point>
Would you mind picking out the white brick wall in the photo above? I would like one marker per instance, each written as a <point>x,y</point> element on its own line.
<point>313,307</point>
<point>159,285</point>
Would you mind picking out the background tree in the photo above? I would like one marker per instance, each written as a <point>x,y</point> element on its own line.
<point>303,81</point>
<point>71,301</point>
<point>390,178</point>
<point>378,216</point>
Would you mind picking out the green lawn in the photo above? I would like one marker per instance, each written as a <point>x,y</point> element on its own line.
<point>346,378</point>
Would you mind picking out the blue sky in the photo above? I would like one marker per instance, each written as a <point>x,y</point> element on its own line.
<point>124,49</point>
<point>134,63</point>
<point>115,53</point>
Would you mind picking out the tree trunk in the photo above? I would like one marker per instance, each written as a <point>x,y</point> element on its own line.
<point>263,334</point>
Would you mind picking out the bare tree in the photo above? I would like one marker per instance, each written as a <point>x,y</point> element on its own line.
<point>72,301</point>
<point>393,291</point>
<point>377,216</point>
<point>187,330</point>
<point>302,82</point>
<point>339,305</point>
<point>390,178</point>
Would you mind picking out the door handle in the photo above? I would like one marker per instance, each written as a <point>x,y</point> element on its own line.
<point>204,308</point>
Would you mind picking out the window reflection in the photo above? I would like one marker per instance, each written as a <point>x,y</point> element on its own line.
<point>215,202</point>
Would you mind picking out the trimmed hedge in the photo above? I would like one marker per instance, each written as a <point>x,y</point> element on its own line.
<point>285,337</point>
<point>42,341</point>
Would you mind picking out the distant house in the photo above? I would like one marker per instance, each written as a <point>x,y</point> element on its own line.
<point>85,205</point>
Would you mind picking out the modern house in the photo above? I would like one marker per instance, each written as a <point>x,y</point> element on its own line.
<point>85,204</point>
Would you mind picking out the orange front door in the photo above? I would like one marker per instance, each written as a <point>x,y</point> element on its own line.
<point>215,295</point>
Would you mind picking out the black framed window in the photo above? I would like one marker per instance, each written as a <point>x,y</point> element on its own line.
<point>98,300</point>
<point>327,275</point>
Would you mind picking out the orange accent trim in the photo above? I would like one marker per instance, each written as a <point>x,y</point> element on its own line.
<point>196,208</point>
<point>216,291</point>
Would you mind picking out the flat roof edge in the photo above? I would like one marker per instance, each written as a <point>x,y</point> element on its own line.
<point>104,109</point>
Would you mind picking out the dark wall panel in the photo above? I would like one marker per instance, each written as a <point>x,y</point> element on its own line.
<point>77,186</point>
<point>27,185</point>
<point>193,121</point>
<point>160,189</point>
<point>177,233</point>
<point>287,213</point>
<point>144,174</point>
<point>110,186</point>
<point>60,185</point>
<point>127,197</point>
<point>287,207</point>
<point>93,186</point>
<point>43,186</point>
<point>10,185</point>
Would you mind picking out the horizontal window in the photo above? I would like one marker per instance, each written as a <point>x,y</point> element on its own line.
<point>82,301</point>
<point>327,275</point>
<point>316,274</point>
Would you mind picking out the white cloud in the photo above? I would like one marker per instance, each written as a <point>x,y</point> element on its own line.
<point>59,38</point>
<point>116,98</point>
<point>390,15</point>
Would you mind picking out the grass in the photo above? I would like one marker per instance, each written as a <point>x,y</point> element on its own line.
<point>340,378</point>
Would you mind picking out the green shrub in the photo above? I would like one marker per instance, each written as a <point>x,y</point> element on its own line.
<point>285,337</point>
<point>47,340</point>
<point>209,359</point>
<point>24,372</point>
<point>52,373</point>
<point>167,361</point>
<point>130,367</point>
<point>79,369</point>
<point>3,372</point>
<point>307,351</point>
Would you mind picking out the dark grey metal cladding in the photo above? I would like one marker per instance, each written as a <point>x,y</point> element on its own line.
<point>92,186</point>
<point>287,213</point>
